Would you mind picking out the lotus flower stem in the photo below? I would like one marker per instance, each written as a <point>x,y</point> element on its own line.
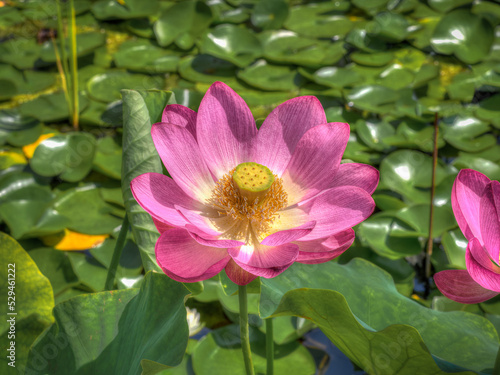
<point>245,342</point>
<point>74,66</point>
<point>117,252</point>
<point>269,346</point>
<point>433,189</point>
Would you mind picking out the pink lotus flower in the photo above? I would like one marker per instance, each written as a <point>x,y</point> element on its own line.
<point>476,204</point>
<point>210,220</point>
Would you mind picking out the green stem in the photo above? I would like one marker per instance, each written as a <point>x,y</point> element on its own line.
<point>64,69</point>
<point>496,369</point>
<point>117,253</point>
<point>269,346</point>
<point>245,342</point>
<point>74,66</point>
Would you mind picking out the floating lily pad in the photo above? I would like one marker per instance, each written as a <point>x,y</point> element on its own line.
<point>467,133</point>
<point>144,56</point>
<point>336,77</point>
<point>85,43</point>
<point>407,172</point>
<point>51,107</point>
<point>390,27</point>
<point>322,20</point>
<point>232,43</point>
<point>68,156</point>
<point>489,110</point>
<point>372,59</point>
<point>417,217</point>
<point>106,87</point>
<point>269,14</point>
<point>374,98</point>
<point>455,244</point>
<point>141,27</point>
<point>489,168</point>
<point>108,158</point>
<point>373,132</point>
<point>364,41</point>
<point>182,23</point>
<point>21,130</point>
<point>22,53</point>
<point>111,9</point>
<point>265,76</point>
<point>446,5</point>
<point>10,16</point>
<point>206,69</point>
<point>287,47</point>
<point>466,35</point>
<point>86,210</point>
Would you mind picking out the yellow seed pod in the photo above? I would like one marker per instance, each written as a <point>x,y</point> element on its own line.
<point>253,180</point>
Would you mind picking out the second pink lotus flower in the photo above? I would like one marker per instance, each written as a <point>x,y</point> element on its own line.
<point>208,222</point>
<point>476,205</point>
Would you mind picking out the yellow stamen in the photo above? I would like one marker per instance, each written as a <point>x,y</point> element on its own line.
<point>245,219</point>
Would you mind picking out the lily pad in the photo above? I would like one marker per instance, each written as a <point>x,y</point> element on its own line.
<point>417,217</point>
<point>321,20</point>
<point>265,76</point>
<point>106,87</point>
<point>108,158</point>
<point>182,23</point>
<point>68,156</point>
<point>85,43</point>
<point>374,98</point>
<point>466,35</point>
<point>51,107</point>
<point>206,69</point>
<point>111,9</point>
<point>20,130</point>
<point>454,244</point>
<point>373,132</point>
<point>145,57</point>
<point>287,47</point>
<point>390,27</point>
<point>232,43</point>
<point>268,15</point>
<point>336,77</point>
<point>94,328</point>
<point>21,53</point>
<point>407,172</point>
<point>467,133</point>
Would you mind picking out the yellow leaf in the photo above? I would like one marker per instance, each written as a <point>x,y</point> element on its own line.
<point>69,240</point>
<point>29,150</point>
<point>9,158</point>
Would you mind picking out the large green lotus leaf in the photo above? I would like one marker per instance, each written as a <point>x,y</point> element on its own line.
<point>389,236</point>
<point>111,332</point>
<point>488,167</point>
<point>467,133</point>
<point>111,9</point>
<point>21,130</point>
<point>268,15</point>
<point>144,56</point>
<point>444,6</point>
<point>373,132</point>
<point>319,20</point>
<point>50,107</point>
<point>374,98</point>
<point>31,218</point>
<point>406,172</point>
<point>182,23</point>
<point>85,43</point>
<point>68,155</point>
<point>402,273</point>
<point>106,87</point>
<point>86,210</point>
<point>22,53</point>
<point>108,158</point>
<point>265,76</point>
<point>220,353</point>
<point>336,77</point>
<point>379,329</point>
<point>417,217</point>
<point>206,69</point>
<point>90,272</point>
<point>30,297</point>
<point>141,109</point>
<point>390,27</point>
<point>55,265</point>
<point>287,47</point>
<point>455,244</point>
<point>232,43</point>
<point>466,35</point>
